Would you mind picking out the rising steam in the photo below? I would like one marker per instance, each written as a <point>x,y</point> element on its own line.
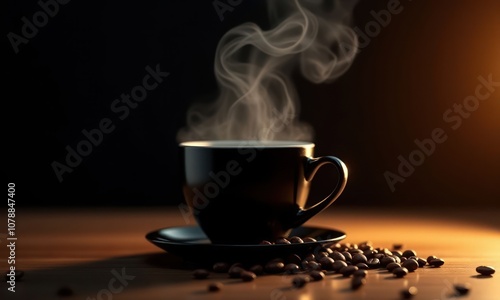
<point>257,100</point>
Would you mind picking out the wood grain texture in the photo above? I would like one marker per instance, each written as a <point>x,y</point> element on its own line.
<point>85,249</point>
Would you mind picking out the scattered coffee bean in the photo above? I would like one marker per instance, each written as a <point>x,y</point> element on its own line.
<point>370,253</point>
<point>321,254</point>
<point>408,253</point>
<point>397,258</point>
<point>397,253</point>
<point>436,263</point>
<point>421,262</point>
<point>347,256</point>
<point>410,264</point>
<point>256,269</point>
<point>200,273</point>
<point>335,255</point>
<point>317,275</point>
<point>462,289</point>
<point>326,263</point>
<point>17,275</point>
<point>390,267</point>
<point>384,261</point>
<point>373,263</point>
<point>65,291</point>
<point>314,265</point>
<point>360,272</point>
<point>359,258</point>
<point>348,271</point>
<point>362,266</point>
<point>235,272</point>
<point>355,251</point>
<point>310,257</point>
<point>265,243</point>
<point>309,239</point>
<point>215,286</point>
<point>485,270</point>
<point>274,267</point>
<point>292,269</point>
<point>248,276</point>
<point>397,246</point>
<point>400,272</point>
<point>409,292</point>
<point>296,240</point>
<point>299,282</point>
<point>220,267</point>
<point>293,259</point>
<point>432,257</point>
<point>282,241</point>
<point>338,265</point>
<point>357,282</point>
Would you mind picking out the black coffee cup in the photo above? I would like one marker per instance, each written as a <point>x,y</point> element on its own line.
<point>243,192</point>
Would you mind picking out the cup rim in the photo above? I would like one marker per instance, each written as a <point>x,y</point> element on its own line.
<point>246,143</point>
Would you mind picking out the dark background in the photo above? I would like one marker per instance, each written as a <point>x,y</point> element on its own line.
<point>66,77</point>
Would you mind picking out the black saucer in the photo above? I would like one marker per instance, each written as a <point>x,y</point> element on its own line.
<point>191,243</point>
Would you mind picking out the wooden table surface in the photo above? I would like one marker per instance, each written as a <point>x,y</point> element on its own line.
<point>101,253</point>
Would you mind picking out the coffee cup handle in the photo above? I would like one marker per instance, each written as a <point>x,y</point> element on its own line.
<point>312,165</point>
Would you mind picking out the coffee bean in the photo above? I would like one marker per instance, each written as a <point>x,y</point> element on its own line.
<point>421,262</point>
<point>397,259</point>
<point>362,266</point>
<point>391,266</point>
<point>370,253</point>
<point>310,257</point>
<point>347,256</point>
<point>384,261</point>
<point>373,263</point>
<point>17,275</point>
<point>397,246</point>
<point>314,265</point>
<point>462,289</point>
<point>257,269</point>
<point>248,276</point>
<point>65,291</point>
<point>282,241</point>
<point>408,253</point>
<point>265,243</point>
<point>326,263</point>
<point>355,251</point>
<point>309,239</point>
<point>410,264</point>
<point>397,253</point>
<point>299,282</point>
<point>357,282</point>
<point>235,272</point>
<point>338,265</point>
<point>348,271</point>
<point>360,273</point>
<point>200,273</point>
<point>215,286</point>
<point>409,292</point>
<point>293,259</point>
<point>321,254</point>
<point>365,246</point>
<point>274,267</point>
<point>220,267</point>
<point>400,272</point>
<point>296,240</point>
<point>335,255</point>
<point>437,262</point>
<point>359,258</point>
<point>336,247</point>
<point>431,258</point>
<point>485,270</point>
<point>317,275</point>
<point>291,269</point>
